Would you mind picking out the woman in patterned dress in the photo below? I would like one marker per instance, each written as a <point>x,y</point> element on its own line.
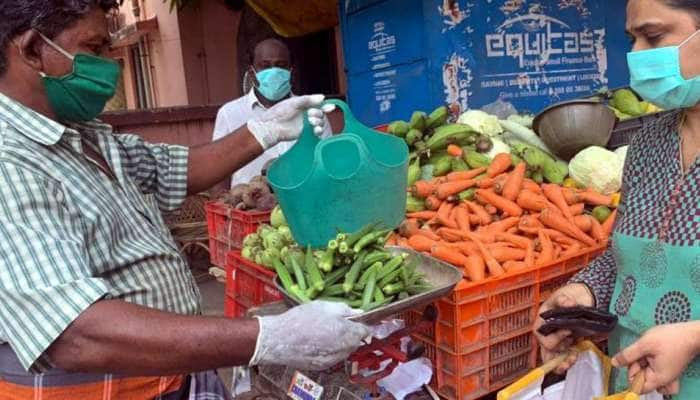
<point>650,275</point>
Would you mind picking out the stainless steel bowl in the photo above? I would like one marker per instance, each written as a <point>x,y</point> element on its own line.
<point>571,126</point>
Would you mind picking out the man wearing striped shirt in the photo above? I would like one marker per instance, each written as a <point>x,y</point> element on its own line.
<point>95,299</point>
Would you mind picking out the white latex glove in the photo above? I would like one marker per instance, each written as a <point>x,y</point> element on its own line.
<point>284,121</point>
<point>313,336</point>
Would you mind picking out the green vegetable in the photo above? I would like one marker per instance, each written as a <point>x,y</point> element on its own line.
<point>327,260</point>
<point>413,136</point>
<point>300,294</point>
<point>627,102</point>
<point>375,256</point>
<point>414,204</point>
<point>458,164</point>
<point>247,253</point>
<point>355,237</point>
<point>442,166</point>
<point>468,194</point>
<point>403,295</point>
<point>598,169</point>
<point>283,274</point>
<point>378,295</point>
<point>476,160</point>
<point>377,304</point>
<point>369,239</point>
<point>437,118</point>
<point>414,171</point>
<point>391,277</point>
<point>418,120</point>
<point>393,288</point>
<point>391,266</point>
<point>353,273</point>
<point>334,299</point>
<point>315,277</point>
<point>555,171</point>
<point>368,293</point>
<point>418,289</point>
<point>365,275</point>
<point>448,134</point>
<point>298,273</point>
<point>335,290</point>
<point>335,276</point>
<point>343,248</point>
<point>601,213</point>
<point>277,218</point>
<point>398,128</point>
<point>481,122</point>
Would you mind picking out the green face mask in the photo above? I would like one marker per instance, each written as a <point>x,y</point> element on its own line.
<point>81,95</point>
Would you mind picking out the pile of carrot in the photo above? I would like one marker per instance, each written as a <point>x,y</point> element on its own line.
<point>493,221</point>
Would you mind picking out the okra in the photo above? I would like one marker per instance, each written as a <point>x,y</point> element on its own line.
<point>299,294</point>
<point>369,289</point>
<point>369,239</point>
<point>334,299</point>
<point>393,288</point>
<point>327,260</point>
<point>333,244</point>
<point>390,278</point>
<point>335,276</point>
<point>315,276</point>
<point>377,255</point>
<point>378,294</point>
<point>418,289</point>
<point>352,239</point>
<point>391,266</point>
<point>403,295</point>
<point>351,276</point>
<point>298,273</point>
<point>378,304</point>
<point>332,291</point>
<point>343,248</point>
<point>341,237</point>
<point>365,275</point>
<point>283,274</point>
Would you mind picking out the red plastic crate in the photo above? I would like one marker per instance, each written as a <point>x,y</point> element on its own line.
<point>249,284</point>
<point>473,374</point>
<point>230,226</point>
<point>218,251</point>
<point>412,317</point>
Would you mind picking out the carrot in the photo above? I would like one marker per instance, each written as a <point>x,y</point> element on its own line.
<point>393,240</point>
<point>455,151</point>
<point>486,183</point>
<point>555,221</point>
<point>597,230</point>
<point>464,175</point>
<point>513,231</point>
<point>513,266</point>
<point>557,251</point>
<point>520,241</point>
<point>449,234</point>
<point>474,219</point>
<point>475,268</point>
<point>409,227</point>
<point>531,201</point>
<point>503,225</point>
<point>577,209</point>
<point>560,237</point>
<point>530,224</point>
<point>529,184</point>
<point>423,189</point>
<point>449,255</point>
<point>421,243</point>
<point>402,242</point>
<point>433,203</point>
<point>556,196</point>
<point>501,203</point>
<point>547,249</point>
<point>423,215</point>
<point>499,183</point>
<point>609,224</point>
<point>596,199</point>
<point>572,249</point>
<point>468,248</point>
<point>530,255</point>
<point>503,254</point>
<point>514,182</point>
<point>499,165</point>
<point>583,222</point>
<point>491,209</point>
<point>429,234</point>
<point>462,218</point>
<point>443,215</point>
<point>494,267</point>
<point>448,189</point>
<point>479,211</point>
<point>572,196</point>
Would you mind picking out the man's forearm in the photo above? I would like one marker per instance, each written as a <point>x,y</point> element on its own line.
<point>117,337</point>
<point>211,163</point>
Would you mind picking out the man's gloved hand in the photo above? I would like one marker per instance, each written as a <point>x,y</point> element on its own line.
<point>313,336</point>
<point>285,120</point>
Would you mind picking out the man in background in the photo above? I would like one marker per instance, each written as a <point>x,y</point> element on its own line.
<point>271,77</point>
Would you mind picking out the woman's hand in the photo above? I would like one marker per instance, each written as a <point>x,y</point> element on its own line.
<point>572,295</point>
<point>662,354</point>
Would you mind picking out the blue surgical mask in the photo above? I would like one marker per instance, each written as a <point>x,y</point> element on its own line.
<point>274,83</point>
<point>656,76</point>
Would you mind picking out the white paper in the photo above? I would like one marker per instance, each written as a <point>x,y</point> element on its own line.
<point>408,378</point>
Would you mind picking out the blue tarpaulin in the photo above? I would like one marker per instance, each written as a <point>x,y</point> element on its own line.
<point>405,55</point>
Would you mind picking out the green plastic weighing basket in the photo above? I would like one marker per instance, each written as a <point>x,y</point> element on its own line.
<point>341,183</point>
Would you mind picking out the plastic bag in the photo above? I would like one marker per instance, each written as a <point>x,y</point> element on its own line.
<point>586,379</point>
<point>501,109</point>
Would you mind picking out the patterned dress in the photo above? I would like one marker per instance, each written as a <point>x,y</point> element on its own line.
<point>650,275</point>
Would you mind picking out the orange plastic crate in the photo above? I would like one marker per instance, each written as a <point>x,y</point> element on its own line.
<point>249,284</point>
<point>231,226</point>
<point>412,317</point>
<point>483,370</point>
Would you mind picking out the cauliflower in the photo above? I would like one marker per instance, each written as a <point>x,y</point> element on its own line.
<point>622,153</point>
<point>597,168</point>
<point>499,146</point>
<point>479,121</point>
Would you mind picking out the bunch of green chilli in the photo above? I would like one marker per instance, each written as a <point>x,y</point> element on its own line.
<point>354,269</point>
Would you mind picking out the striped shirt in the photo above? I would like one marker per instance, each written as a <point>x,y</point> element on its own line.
<point>71,235</point>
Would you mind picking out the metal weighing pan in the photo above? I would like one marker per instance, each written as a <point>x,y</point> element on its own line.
<point>443,277</point>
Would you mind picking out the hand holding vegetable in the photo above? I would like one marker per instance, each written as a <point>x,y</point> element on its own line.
<point>662,354</point>
<point>285,121</point>
<point>571,295</point>
<point>313,336</point>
